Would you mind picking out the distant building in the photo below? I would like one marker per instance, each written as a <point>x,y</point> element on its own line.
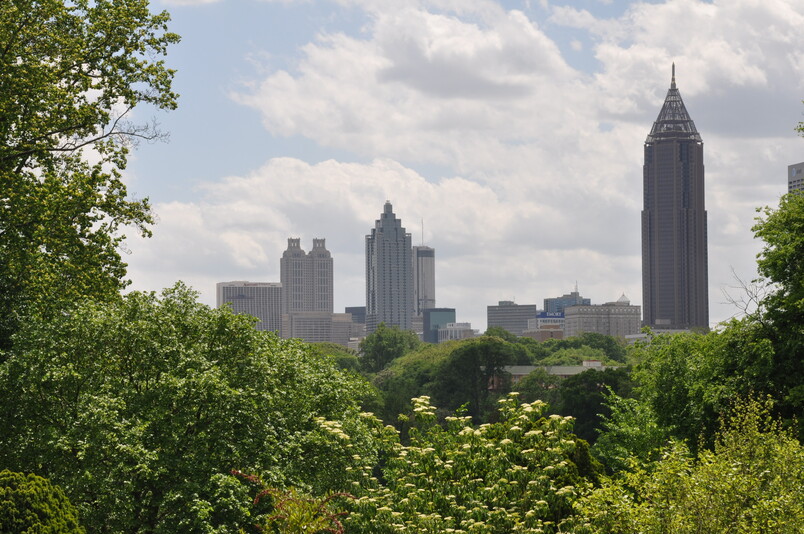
<point>557,304</point>
<point>675,291</point>
<point>358,313</point>
<point>455,331</point>
<point>263,300</point>
<point>795,177</point>
<point>423,279</point>
<point>546,325</point>
<point>307,278</point>
<point>511,316</point>
<point>317,327</point>
<point>435,318</point>
<point>389,273</point>
<point>618,319</point>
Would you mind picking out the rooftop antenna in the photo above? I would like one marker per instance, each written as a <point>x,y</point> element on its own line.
<point>576,286</point>
<point>422,231</point>
<point>673,79</point>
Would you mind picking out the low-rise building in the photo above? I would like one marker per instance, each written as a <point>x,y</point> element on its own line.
<point>618,319</point>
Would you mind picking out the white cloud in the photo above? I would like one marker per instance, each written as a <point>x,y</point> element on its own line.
<point>529,171</point>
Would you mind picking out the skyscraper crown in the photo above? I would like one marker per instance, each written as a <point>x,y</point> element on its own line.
<point>673,120</point>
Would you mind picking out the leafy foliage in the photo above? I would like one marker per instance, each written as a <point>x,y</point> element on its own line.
<point>30,503</point>
<point>781,312</point>
<point>520,474</point>
<point>69,74</point>
<point>384,345</point>
<point>629,432</point>
<point>139,408</point>
<point>751,482</point>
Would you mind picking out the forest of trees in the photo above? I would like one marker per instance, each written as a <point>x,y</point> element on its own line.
<point>154,413</point>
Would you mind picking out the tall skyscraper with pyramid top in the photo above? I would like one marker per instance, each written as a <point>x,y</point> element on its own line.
<point>674,237</point>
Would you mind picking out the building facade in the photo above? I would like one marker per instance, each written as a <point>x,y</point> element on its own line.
<point>617,319</point>
<point>511,316</point>
<point>307,278</point>
<point>423,279</point>
<point>557,304</point>
<point>795,177</point>
<point>455,331</point>
<point>263,300</point>
<point>389,273</point>
<point>675,291</point>
<point>433,319</point>
<point>317,327</point>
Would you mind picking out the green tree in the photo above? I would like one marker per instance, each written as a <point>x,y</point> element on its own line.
<point>539,385</point>
<point>781,311</point>
<point>519,474</point>
<point>30,503</point>
<point>70,73</point>
<point>582,396</point>
<point>470,372</point>
<point>750,482</point>
<point>502,333</point>
<point>630,432</point>
<point>140,408</point>
<point>384,345</point>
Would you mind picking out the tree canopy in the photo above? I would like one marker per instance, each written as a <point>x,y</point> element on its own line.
<point>30,503</point>
<point>140,408</point>
<point>70,73</point>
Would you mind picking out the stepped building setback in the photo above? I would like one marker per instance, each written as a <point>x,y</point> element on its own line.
<point>389,273</point>
<point>674,234</point>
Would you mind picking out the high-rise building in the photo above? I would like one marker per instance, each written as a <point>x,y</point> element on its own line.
<point>306,278</point>
<point>795,177</point>
<point>389,273</point>
<point>423,279</point>
<point>263,300</point>
<point>557,304</point>
<point>674,250</point>
<point>511,316</point>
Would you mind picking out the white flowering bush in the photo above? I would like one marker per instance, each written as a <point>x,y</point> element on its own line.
<point>519,474</point>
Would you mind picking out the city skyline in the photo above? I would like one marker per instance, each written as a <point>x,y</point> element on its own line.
<point>513,129</point>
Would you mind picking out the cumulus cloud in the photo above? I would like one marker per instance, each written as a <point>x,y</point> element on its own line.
<point>538,165</point>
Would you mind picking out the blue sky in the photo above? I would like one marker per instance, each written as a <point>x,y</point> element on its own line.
<point>512,129</point>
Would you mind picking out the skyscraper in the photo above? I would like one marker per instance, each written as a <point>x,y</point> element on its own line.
<point>423,279</point>
<point>307,279</point>
<point>795,177</point>
<point>389,273</point>
<point>674,251</point>
<point>263,300</point>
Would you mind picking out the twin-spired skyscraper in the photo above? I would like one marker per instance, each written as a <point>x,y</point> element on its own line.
<point>674,252</point>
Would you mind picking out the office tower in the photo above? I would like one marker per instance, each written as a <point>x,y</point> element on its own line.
<point>389,273</point>
<point>306,278</point>
<point>433,319</point>
<point>795,177</point>
<point>674,252</point>
<point>618,319</point>
<point>263,300</point>
<point>557,304</point>
<point>511,316</point>
<point>423,279</point>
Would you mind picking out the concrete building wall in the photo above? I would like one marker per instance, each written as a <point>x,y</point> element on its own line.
<point>263,300</point>
<point>511,316</point>
<point>618,319</point>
